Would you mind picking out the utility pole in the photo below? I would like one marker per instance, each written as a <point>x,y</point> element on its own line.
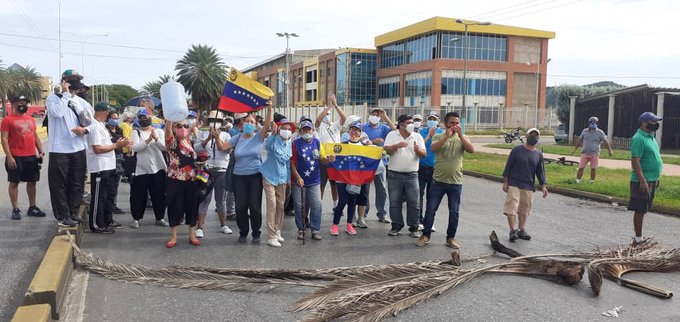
<point>287,35</point>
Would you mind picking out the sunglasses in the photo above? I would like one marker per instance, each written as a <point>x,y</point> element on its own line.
<point>179,126</point>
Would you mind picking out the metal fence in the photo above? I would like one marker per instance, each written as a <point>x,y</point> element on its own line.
<point>474,117</point>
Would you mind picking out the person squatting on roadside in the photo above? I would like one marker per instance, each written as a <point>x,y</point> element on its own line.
<point>591,138</point>
<point>246,178</point>
<point>646,166</point>
<point>276,177</point>
<point>329,132</point>
<point>377,133</point>
<point>524,165</point>
<point>308,156</point>
<point>149,179</point>
<point>212,141</point>
<point>20,142</point>
<point>447,178</point>
<point>181,185</point>
<point>101,163</point>
<point>405,148</point>
<point>70,119</point>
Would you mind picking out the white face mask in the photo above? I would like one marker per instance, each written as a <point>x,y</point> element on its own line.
<point>373,119</point>
<point>417,123</point>
<point>217,125</point>
<point>410,128</point>
<point>285,134</point>
<point>228,125</point>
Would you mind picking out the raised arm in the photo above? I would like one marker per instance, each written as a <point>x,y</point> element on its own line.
<point>319,118</point>
<point>341,112</point>
<point>387,120</point>
<point>267,121</point>
<point>56,104</point>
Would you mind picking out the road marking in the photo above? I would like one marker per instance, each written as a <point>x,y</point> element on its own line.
<point>74,303</point>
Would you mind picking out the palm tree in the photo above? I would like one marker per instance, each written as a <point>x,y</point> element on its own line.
<point>154,87</point>
<point>24,81</point>
<point>203,74</point>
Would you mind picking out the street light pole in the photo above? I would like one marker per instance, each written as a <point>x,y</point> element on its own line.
<point>59,22</point>
<point>466,52</point>
<point>287,35</point>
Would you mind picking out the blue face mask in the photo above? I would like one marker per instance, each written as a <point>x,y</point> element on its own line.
<point>113,122</point>
<point>593,125</point>
<point>248,128</point>
<point>431,124</point>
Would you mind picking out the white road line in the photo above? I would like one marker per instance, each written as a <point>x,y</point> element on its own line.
<point>74,304</point>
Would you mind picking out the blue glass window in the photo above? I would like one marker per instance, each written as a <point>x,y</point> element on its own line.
<point>476,86</point>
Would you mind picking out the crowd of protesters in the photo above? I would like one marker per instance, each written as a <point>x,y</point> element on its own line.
<point>244,159</point>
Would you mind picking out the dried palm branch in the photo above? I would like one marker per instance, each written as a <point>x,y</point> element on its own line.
<point>625,262</point>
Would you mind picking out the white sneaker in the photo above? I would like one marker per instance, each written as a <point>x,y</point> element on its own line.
<point>162,223</point>
<point>421,227</point>
<point>433,229</point>
<point>273,243</point>
<point>279,238</point>
<point>225,230</point>
<point>199,233</point>
<point>578,181</point>
<point>134,224</point>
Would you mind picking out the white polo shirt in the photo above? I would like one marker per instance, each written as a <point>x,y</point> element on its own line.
<point>404,159</point>
<point>97,162</point>
<point>329,133</point>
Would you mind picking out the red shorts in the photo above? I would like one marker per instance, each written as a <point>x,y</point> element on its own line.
<point>585,158</point>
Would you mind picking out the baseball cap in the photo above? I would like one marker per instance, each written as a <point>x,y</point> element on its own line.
<point>433,114</point>
<point>71,74</point>
<point>239,115</point>
<point>403,118</point>
<point>215,114</point>
<point>593,119</point>
<point>20,98</point>
<point>533,129</point>
<point>143,112</point>
<point>193,114</point>
<point>649,117</point>
<point>417,117</point>
<point>306,123</point>
<point>76,84</point>
<point>102,107</point>
<point>356,124</point>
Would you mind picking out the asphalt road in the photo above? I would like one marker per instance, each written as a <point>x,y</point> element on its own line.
<point>22,242</point>
<point>557,224</point>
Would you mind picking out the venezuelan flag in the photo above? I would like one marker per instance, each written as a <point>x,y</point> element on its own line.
<point>354,164</point>
<point>243,94</point>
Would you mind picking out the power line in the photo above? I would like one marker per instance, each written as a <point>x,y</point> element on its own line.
<point>539,10</point>
<point>477,16</point>
<point>89,55</point>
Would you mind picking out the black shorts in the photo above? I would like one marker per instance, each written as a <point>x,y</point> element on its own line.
<point>639,201</point>
<point>27,170</point>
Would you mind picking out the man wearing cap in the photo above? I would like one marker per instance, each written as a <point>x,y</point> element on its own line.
<point>377,133</point>
<point>647,165</point>
<point>20,142</point>
<point>426,168</point>
<point>405,147</point>
<point>211,140</point>
<point>447,179</point>
<point>591,138</point>
<point>69,120</point>
<point>417,122</point>
<point>101,163</point>
<point>329,132</point>
<point>524,165</point>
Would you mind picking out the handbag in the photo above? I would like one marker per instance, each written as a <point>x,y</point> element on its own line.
<point>228,184</point>
<point>353,189</point>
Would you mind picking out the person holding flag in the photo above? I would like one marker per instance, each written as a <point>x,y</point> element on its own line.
<point>353,169</point>
<point>329,132</point>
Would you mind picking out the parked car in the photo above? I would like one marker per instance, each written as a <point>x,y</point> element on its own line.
<point>560,134</point>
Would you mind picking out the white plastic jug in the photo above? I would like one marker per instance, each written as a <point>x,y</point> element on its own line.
<point>174,100</point>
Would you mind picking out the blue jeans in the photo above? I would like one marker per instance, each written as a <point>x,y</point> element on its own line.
<point>312,196</point>
<point>404,185</point>
<point>380,183</point>
<point>344,198</point>
<point>434,198</point>
<point>424,181</point>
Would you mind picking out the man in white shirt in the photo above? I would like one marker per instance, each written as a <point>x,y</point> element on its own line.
<point>329,132</point>
<point>101,163</point>
<point>69,119</point>
<point>405,147</point>
<point>210,140</point>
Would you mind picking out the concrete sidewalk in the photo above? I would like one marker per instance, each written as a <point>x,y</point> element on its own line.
<point>668,169</point>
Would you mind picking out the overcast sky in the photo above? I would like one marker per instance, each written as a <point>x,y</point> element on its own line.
<point>627,41</point>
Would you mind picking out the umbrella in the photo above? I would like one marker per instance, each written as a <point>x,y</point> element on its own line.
<point>135,101</point>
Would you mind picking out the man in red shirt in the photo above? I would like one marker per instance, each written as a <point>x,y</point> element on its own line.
<point>20,141</point>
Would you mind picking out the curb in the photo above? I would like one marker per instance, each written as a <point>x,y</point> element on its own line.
<point>578,194</point>
<point>50,282</point>
<point>33,313</point>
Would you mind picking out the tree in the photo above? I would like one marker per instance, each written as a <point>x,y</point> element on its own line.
<point>24,81</point>
<point>585,91</point>
<point>203,74</point>
<point>116,94</point>
<point>154,87</point>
